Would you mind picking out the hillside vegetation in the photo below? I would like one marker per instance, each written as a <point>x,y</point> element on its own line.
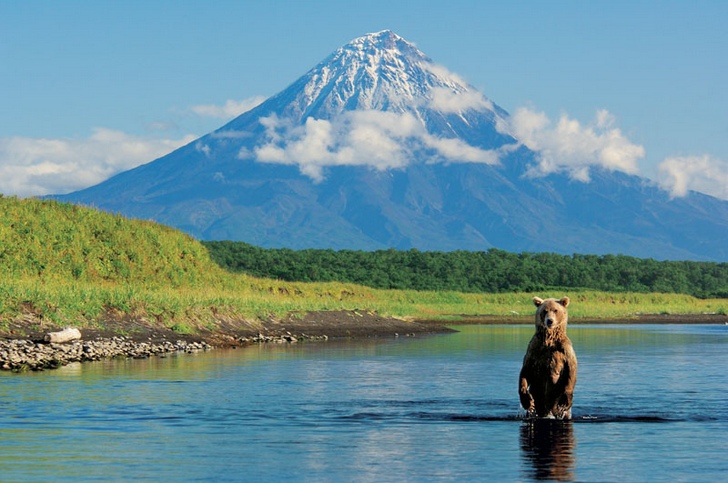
<point>62,264</point>
<point>58,241</point>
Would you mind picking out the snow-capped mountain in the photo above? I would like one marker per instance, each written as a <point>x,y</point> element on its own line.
<point>378,146</point>
<point>381,72</point>
<point>377,101</point>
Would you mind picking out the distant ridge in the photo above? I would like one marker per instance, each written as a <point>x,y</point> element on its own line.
<point>377,147</point>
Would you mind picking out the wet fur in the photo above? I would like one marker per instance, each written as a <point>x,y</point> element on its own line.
<point>548,376</point>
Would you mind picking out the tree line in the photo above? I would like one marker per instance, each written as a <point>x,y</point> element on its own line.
<point>491,271</point>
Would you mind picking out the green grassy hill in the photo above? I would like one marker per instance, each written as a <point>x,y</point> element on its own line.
<point>52,240</point>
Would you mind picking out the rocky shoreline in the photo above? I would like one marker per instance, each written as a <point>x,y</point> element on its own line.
<point>20,355</point>
<point>29,350</point>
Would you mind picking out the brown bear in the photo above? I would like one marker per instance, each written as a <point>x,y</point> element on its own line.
<point>548,376</point>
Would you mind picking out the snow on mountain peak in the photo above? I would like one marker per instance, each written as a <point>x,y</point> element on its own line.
<point>384,40</point>
<point>382,71</point>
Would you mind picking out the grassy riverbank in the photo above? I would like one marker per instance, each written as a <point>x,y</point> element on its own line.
<point>66,265</point>
<point>239,302</point>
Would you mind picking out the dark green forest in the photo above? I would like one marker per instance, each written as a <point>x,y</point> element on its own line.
<point>492,271</point>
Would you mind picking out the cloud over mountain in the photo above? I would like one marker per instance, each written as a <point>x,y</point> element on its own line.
<point>705,174</point>
<point>378,139</point>
<point>570,146</point>
<point>449,101</point>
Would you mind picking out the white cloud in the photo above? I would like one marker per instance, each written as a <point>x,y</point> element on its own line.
<point>454,96</point>
<point>568,145</point>
<point>444,73</point>
<point>37,166</point>
<point>203,148</point>
<point>458,150</point>
<point>382,140</point>
<point>449,101</point>
<point>706,174</point>
<point>230,109</point>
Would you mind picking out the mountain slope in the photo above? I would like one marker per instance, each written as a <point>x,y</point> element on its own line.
<point>378,147</point>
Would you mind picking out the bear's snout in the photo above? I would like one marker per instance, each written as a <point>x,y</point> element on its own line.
<point>548,322</point>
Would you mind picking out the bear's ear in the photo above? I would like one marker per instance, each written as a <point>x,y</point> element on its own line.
<point>564,301</point>
<point>537,301</point>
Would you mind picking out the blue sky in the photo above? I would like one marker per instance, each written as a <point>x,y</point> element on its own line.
<point>94,87</point>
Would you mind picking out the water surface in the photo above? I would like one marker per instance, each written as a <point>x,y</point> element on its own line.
<point>650,404</point>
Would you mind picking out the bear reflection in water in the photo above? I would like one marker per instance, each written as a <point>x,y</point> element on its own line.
<point>547,446</point>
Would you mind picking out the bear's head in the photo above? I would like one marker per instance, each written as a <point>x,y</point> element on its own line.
<point>551,314</point>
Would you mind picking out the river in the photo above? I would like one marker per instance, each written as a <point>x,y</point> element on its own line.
<point>651,403</point>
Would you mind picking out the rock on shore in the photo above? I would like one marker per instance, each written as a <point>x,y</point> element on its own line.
<point>19,355</point>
